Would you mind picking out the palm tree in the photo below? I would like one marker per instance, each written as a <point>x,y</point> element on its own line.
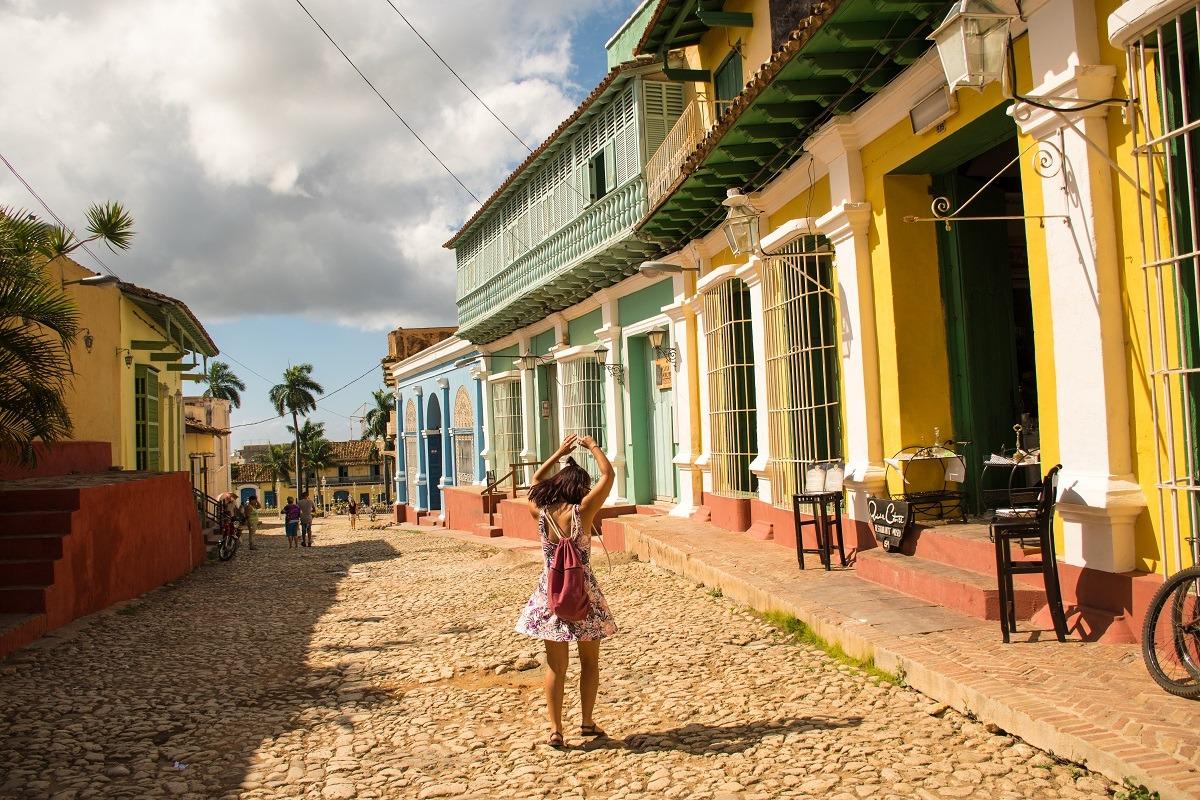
<point>38,324</point>
<point>296,395</point>
<point>314,447</point>
<point>377,421</point>
<point>277,459</point>
<point>223,384</point>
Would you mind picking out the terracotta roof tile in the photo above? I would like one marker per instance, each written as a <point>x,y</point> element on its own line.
<point>253,473</point>
<point>149,294</point>
<point>355,451</point>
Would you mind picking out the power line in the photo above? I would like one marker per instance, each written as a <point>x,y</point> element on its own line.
<point>391,108</point>
<point>56,217</point>
<point>456,75</point>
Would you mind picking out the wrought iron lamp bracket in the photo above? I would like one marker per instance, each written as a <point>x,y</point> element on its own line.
<point>671,354</point>
<point>617,371</point>
<point>1047,163</point>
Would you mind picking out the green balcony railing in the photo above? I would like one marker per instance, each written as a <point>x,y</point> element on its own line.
<point>609,218</point>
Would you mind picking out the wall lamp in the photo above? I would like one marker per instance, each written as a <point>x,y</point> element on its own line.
<point>655,338</point>
<point>128,355</point>
<point>93,280</point>
<point>88,339</point>
<point>741,223</point>
<point>529,361</point>
<point>616,370</point>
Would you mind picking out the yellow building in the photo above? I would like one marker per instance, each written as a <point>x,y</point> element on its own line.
<point>206,444</point>
<point>135,349</point>
<point>356,472</point>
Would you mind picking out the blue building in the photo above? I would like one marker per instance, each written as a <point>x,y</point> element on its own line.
<point>440,435</point>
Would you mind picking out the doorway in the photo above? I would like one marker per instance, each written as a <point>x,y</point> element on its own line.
<point>433,452</point>
<point>547,392</point>
<point>984,268</point>
<point>661,423</point>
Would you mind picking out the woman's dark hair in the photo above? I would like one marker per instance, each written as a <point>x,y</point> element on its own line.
<point>568,487</point>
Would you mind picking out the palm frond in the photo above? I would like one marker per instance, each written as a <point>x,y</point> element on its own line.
<point>111,223</point>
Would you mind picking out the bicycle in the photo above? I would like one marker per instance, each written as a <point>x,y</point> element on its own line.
<point>1171,644</point>
<point>231,536</point>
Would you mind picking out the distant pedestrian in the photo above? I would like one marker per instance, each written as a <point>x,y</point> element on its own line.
<point>565,507</point>
<point>307,507</point>
<point>250,512</point>
<point>353,508</point>
<point>291,521</point>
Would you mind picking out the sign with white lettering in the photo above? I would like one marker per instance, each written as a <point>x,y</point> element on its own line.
<point>891,520</point>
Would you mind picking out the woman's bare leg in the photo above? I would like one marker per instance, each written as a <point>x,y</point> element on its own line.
<point>557,656</point>
<point>589,678</point>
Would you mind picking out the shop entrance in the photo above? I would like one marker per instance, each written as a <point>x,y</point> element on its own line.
<point>660,420</point>
<point>433,452</point>
<point>984,268</point>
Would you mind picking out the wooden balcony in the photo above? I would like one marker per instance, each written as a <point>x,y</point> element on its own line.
<point>697,119</point>
<point>594,250</point>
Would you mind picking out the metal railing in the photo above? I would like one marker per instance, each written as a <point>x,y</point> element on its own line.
<point>605,219</point>
<point>515,473</point>
<point>697,119</point>
<point>207,508</point>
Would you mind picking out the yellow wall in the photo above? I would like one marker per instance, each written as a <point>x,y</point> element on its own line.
<point>715,45</point>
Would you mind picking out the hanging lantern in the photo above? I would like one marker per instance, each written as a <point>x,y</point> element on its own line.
<point>741,223</point>
<point>972,42</point>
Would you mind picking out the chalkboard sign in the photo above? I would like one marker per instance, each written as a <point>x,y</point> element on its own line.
<point>891,520</point>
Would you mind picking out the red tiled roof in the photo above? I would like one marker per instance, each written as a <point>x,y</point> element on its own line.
<point>148,294</point>
<point>595,94</point>
<point>355,451</point>
<point>197,426</point>
<point>253,473</point>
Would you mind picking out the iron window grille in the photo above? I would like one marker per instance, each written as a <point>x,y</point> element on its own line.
<point>803,384</point>
<point>412,467</point>
<point>464,438</point>
<point>583,406</point>
<point>1164,65</point>
<point>509,437</point>
<point>731,392</point>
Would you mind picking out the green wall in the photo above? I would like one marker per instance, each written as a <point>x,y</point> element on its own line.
<point>645,303</point>
<point>637,446</point>
<point>503,360</point>
<point>582,330</point>
<point>540,345</point>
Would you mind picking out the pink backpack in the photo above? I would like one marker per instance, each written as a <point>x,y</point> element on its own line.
<point>566,586</point>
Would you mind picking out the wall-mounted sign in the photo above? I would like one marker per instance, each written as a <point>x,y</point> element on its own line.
<point>545,409</point>
<point>662,374</point>
<point>891,520</point>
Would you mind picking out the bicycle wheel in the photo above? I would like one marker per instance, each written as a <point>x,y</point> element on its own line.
<point>1171,635</point>
<point>226,548</point>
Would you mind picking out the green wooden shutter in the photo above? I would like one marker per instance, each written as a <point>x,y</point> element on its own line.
<point>662,104</point>
<point>153,444</point>
<point>610,166</point>
<point>728,82</point>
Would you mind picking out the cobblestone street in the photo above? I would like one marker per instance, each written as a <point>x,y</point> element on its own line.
<point>382,663</point>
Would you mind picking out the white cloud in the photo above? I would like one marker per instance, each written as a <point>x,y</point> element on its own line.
<point>263,174</point>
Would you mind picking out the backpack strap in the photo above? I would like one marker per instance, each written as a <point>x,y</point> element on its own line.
<point>553,525</point>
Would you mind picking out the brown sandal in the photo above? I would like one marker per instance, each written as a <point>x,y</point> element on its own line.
<point>556,740</point>
<point>591,730</point>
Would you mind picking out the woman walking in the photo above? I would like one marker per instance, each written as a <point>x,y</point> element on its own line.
<point>565,507</point>
<point>291,521</point>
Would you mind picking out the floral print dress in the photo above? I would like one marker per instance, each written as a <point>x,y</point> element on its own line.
<point>538,621</point>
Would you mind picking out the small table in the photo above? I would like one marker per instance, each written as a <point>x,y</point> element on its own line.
<point>1011,496</point>
<point>933,503</point>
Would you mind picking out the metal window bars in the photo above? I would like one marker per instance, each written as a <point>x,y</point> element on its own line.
<point>803,387</point>
<point>1164,65</point>
<point>731,391</point>
<point>463,437</point>
<point>509,435</point>
<point>583,405</point>
<point>411,466</point>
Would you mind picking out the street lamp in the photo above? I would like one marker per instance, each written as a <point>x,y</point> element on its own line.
<point>528,361</point>
<point>741,223</point>
<point>616,370</point>
<point>93,280</point>
<point>972,42</point>
<point>660,269</point>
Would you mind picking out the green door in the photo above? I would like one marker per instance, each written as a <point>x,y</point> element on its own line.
<point>661,424</point>
<point>145,414</point>
<point>977,294</point>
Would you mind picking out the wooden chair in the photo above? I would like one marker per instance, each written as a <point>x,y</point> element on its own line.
<point>1028,526</point>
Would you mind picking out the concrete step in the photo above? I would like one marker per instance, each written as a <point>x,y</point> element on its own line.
<point>22,599</point>
<point>26,572</point>
<point>972,593</point>
<point>963,546</point>
<point>652,510</point>
<point>18,630</point>
<point>491,531</point>
<point>28,523</point>
<point>17,500</point>
<point>38,546</point>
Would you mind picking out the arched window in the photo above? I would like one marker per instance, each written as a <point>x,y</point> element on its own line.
<point>733,441</point>
<point>411,457</point>
<point>464,438</point>
<point>410,417</point>
<point>803,388</point>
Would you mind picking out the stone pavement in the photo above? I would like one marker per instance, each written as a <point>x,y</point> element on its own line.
<point>1085,702</point>
<point>382,664</point>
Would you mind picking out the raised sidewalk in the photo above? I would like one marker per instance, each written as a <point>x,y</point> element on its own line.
<point>1085,702</point>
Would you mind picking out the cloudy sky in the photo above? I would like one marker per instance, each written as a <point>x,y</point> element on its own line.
<point>272,191</point>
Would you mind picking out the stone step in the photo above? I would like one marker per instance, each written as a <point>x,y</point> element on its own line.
<point>17,500</point>
<point>972,593</point>
<point>22,599</point>
<point>652,510</point>
<point>38,546</point>
<point>964,546</point>
<point>491,531</point>
<point>26,572</point>
<point>18,630</point>
<point>29,523</point>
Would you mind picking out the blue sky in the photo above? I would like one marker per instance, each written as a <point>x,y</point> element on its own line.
<point>339,349</point>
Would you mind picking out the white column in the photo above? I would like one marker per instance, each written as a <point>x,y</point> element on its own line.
<point>1099,498</point>
<point>751,276</point>
<point>846,228</point>
<point>614,400</point>
<point>681,317</point>
<point>704,457</point>
<point>529,411</point>
<point>481,374</point>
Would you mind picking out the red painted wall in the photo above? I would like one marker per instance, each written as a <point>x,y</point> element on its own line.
<point>466,507</point>
<point>63,458</point>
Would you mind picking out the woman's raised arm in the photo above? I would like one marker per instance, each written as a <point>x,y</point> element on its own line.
<point>543,472</point>
<point>600,489</point>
